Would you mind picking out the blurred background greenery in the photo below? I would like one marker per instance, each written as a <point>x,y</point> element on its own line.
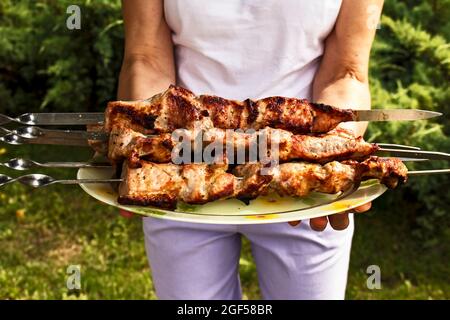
<point>46,67</point>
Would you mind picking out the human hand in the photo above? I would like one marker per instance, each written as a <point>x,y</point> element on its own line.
<point>338,221</point>
<point>126,214</point>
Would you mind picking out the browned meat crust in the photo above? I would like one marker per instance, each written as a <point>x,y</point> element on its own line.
<point>338,144</point>
<point>301,178</point>
<point>180,108</point>
<point>162,185</point>
<point>390,171</point>
<point>98,146</point>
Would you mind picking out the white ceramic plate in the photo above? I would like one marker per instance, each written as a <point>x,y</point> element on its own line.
<point>267,209</point>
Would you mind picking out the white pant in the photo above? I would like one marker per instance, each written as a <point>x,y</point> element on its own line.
<point>201,261</point>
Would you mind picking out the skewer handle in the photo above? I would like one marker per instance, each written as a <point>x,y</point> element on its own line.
<point>81,118</point>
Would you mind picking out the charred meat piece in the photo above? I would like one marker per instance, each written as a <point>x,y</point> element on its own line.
<point>122,143</point>
<point>338,144</point>
<point>390,171</point>
<point>99,146</point>
<point>180,108</point>
<point>162,185</point>
<point>151,185</point>
<point>175,108</point>
<point>300,178</point>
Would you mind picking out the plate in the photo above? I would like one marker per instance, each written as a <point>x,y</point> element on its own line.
<point>267,209</point>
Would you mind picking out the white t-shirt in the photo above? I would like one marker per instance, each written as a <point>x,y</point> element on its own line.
<point>242,49</point>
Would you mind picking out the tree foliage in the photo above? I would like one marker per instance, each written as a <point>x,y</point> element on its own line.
<point>45,66</point>
<point>410,68</point>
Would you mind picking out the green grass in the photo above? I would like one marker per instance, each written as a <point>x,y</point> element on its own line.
<point>43,231</point>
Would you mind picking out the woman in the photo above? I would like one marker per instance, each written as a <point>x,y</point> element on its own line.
<point>242,49</point>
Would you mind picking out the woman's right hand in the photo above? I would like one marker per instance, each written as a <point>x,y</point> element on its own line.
<point>126,214</point>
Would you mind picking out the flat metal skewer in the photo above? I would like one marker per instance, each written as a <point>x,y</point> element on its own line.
<point>37,180</point>
<point>82,118</point>
<point>417,154</point>
<point>427,172</point>
<point>31,132</point>
<point>14,139</point>
<point>26,164</point>
<point>36,135</point>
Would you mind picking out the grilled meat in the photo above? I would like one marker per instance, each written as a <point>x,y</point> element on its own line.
<point>162,185</point>
<point>97,145</point>
<point>122,142</point>
<point>338,144</point>
<point>180,108</point>
<point>300,178</point>
<point>288,122</point>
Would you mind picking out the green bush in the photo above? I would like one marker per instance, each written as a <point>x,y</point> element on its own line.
<point>410,68</point>
<point>45,66</point>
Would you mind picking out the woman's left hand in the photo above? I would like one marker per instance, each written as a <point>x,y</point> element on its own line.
<point>338,221</point>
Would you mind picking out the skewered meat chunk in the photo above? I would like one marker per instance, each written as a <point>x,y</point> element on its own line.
<point>338,144</point>
<point>164,112</point>
<point>98,146</point>
<point>390,171</point>
<point>162,185</point>
<point>126,143</point>
<point>122,142</point>
<point>180,108</point>
<point>300,178</point>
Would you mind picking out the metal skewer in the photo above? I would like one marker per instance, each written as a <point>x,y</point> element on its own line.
<point>416,154</point>
<point>396,146</point>
<point>36,132</point>
<point>427,172</point>
<point>26,164</point>
<point>406,155</point>
<point>36,135</point>
<point>55,118</point>
<point>21,164</point>
<point>98,117</point>
<point>14,139</point>
<point>37,180</point>
<point>31,132</point>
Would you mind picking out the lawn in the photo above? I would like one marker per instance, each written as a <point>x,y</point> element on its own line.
<point>44,231</point>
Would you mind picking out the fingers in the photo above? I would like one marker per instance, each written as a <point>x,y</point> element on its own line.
<point>318,224</point>
<point>365,207</point>
<point>339,221</point>
<point>294,223</point>
<point>126,214</point>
